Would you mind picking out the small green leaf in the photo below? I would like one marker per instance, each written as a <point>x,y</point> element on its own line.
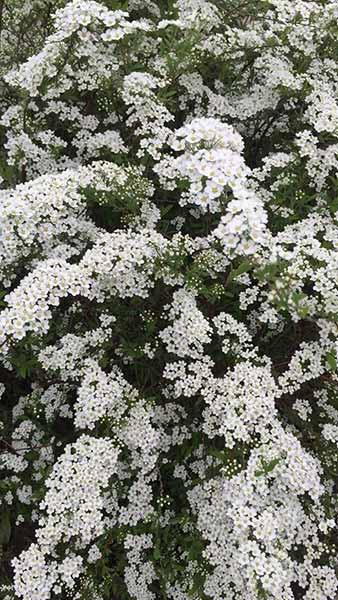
<point>195,550</point>
<point>297,297</point>
<point>5,528</point>
<point>244,267</point>
<point>331,360</point>
<point>267,467</point>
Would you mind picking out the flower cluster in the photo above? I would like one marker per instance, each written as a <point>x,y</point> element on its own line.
<point>168,300</point>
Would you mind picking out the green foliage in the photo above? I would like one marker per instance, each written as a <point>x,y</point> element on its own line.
<point>331,359</point>
<point>226,60</point>
<point>267,467</point>
<point>5,527</point>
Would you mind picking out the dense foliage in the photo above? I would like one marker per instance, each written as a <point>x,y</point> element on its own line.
<point>169,295</point>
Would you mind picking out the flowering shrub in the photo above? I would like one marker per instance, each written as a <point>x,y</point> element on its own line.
<point>169,300</point>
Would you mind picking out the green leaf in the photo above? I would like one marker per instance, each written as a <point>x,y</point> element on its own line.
<point>220,454</point>
<point>297,297</point>
<point>22,371</point>
<point>5,528</point>
<point>165,210</point>
<point>195,550</point>
<point>244,267</point>
<point>267,467</point>
<point>331,360</point>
